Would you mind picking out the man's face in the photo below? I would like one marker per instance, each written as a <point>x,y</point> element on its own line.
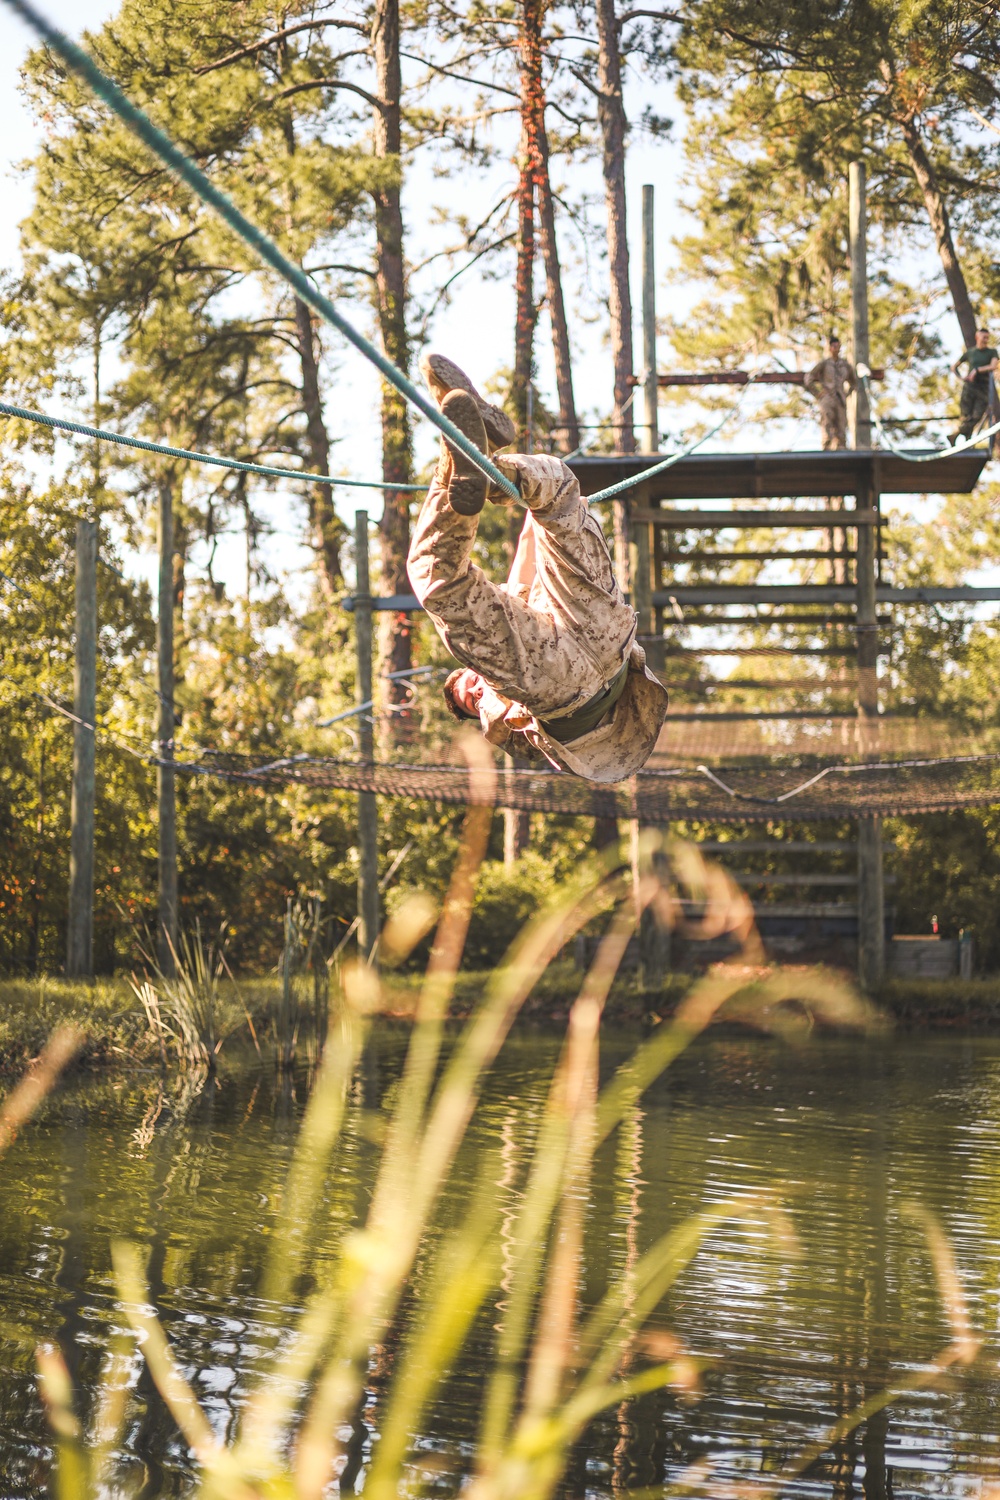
<point>982,339</point>
<point>468,690</point>
<point>834,348</point>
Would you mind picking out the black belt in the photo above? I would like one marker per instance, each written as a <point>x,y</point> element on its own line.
<point>582,720</point>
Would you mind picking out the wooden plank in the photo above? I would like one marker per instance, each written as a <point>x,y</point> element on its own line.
<point>749,520</point>
<point>738,476</point>
<point>755,716</point>
<point>812,909</point>
<point>744,878</point>
<point>812,555</point>
<point>756,593</point>
<point>741,377</point>
<point>779,846</point>
<point>842,651</point>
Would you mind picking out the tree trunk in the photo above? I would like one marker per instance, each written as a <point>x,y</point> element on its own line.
<point>937,213</point>
<point>524,284</point>
<point>533,106</point>
<point>326,527</point>
<point>611,115</point>
<point>397,454</point>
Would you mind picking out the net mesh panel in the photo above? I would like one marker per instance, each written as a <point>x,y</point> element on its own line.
<point>723,794</point>
<point>714,738</point>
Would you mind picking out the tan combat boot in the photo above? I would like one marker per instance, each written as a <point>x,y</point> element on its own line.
<point>443,375</point>
<point>466,485</point>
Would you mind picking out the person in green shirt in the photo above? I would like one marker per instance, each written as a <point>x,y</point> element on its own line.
<point>981,360</point>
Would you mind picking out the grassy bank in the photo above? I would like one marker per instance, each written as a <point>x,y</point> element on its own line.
<point>117,1032</point>
<point>932,1003</point>
<point>112,1021</point>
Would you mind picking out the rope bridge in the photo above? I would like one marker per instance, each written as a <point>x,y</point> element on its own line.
<point>733,794</point>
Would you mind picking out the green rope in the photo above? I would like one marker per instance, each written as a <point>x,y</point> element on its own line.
<point>199,458</point>
<point>675,458</point>
<point>949,451</point>
<point>75,58</point>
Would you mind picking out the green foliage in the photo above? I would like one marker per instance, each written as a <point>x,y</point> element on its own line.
<point>505,901</point>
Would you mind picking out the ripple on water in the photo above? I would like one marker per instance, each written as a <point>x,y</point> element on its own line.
<point>844,1132</point>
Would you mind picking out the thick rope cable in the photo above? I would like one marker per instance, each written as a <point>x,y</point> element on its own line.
<point>674,458</point>
<point>948,451</point>
<point>263,247</point>
<point>62,424</point>
<point>543,791</point>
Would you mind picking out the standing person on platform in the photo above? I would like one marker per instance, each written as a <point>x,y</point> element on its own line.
<point>981,360</point>
<point>551,666</point>
<point>831,382</point>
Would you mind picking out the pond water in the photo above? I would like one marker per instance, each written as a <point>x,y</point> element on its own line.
<point>847,1130</point>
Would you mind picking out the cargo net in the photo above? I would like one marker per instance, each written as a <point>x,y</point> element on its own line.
<point>723,794</point>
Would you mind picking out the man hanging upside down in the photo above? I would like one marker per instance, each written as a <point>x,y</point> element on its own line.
<point>550,659</point>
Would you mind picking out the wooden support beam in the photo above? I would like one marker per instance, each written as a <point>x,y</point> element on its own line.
<point>80,929</point>
<point>368,902</point>
<point>741,377</point>
<point>826,622</point>
<point>745,877</point>
<point>753,716</point>
<point>871,883</point>
<point>845,652</point>
<point>166,776</point>
<point>778,846</point>
<point>649,437</point>
<point>857,233</point>
<point>777,555</point>
<point>750,520</point>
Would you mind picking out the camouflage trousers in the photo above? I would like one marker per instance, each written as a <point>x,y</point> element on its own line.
<point>832,422</point>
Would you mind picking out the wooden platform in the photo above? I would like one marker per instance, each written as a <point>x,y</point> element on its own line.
<point>772,476</point>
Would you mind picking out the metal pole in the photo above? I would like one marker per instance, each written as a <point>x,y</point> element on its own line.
<point>80,931</point>
<point>368,903</point>
<point>649,432</point>
<point>861,426</point>
<point>166,794</point>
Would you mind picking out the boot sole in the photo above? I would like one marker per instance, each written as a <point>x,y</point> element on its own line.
<point>443,375</point>
<point>468,485</point>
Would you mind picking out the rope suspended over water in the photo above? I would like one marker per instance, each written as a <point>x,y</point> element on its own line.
<point>63,424</point>
<point>948,451</point>
<point>263,247</point>
<point>266,250</point>
<point>674,458</point>
<point>744,793</point>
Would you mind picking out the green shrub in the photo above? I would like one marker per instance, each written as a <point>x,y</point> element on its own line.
<point>505,901</point>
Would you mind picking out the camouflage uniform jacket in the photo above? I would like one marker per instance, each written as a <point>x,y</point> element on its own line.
<point>828,379</point>
<point>550,638</point>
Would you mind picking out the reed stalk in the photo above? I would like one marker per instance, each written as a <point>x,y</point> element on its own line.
<point>556,1362</point>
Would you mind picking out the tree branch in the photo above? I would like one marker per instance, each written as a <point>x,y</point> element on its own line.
<point>653,15</point>
<point>330,83</point>
<point>277,36</point>
<point>459,78</point>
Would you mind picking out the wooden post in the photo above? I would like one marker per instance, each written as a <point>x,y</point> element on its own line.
<point>166,791</point>
<point>650,435</point>
<point>368,904</point>
<point>653,941</point>
<point>80,930</point>
<point>871,887</point>
<point>641,567</point>
<point>861,426</point>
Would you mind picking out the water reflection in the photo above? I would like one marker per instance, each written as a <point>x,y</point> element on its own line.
<point>846,1131</point>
